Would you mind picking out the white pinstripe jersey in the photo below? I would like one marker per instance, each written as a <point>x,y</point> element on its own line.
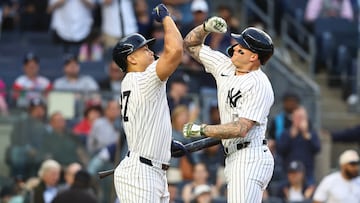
<point>248,96</point>
<point>146,115</point>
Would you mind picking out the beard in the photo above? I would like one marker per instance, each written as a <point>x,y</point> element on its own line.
<point>351,174</point>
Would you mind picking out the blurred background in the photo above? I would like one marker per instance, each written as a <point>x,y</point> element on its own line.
<point>59,91</point>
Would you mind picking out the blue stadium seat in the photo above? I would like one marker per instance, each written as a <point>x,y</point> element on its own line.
<point>11,68</point>
<point>94,69</point>
<point>51,68</point>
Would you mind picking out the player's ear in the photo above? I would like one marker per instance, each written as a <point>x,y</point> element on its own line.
<point>131,59</point>
<point>254,57</point>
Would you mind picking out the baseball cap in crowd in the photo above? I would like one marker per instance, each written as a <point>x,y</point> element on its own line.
<point>199,5</point>
<point>201,189</point>
<point>36,102</point>
<point>296,166</point>
<point>30,56</point>
<point>349,157</point>
<point>70,57</point>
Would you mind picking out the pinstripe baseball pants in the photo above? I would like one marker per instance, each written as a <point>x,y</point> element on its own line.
<point>247,173</point>
<point>136,182</point>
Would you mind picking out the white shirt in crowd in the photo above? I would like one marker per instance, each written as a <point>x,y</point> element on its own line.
<point>111,22</point>
<point>335,189</point>
<point>83,83</point>
<point>72,21</point>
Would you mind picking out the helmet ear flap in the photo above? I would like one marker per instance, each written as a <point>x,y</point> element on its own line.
<point>230,50</point>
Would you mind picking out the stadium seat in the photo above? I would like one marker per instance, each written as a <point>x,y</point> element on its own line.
<point>94,69</point>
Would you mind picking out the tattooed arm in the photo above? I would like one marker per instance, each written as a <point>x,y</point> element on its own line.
<point>238,128</point>
<point>194,40</point>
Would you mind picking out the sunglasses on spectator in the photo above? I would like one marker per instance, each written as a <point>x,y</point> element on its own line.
<point>354,163</point>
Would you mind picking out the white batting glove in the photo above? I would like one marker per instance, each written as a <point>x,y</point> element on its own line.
<point>215,24</point>
<point>193,130</point>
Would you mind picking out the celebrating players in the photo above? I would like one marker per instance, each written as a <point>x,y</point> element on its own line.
<point>245,97</point>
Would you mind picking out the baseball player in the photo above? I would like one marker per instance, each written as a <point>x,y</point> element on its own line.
<point>140,177</point>
<point>245,96</point>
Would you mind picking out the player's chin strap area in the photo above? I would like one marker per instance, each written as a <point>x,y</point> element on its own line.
<point>235,147</point>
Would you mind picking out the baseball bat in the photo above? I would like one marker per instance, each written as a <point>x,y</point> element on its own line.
<point>103,174</point>
<point>190,147</point>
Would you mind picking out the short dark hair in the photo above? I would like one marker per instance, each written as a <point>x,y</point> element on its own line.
<point>82,179</point>
<point>291,95</point>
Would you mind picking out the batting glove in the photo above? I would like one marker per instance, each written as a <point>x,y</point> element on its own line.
<point>160,12</point>
<point>193,130</point>
<point>177,149</point>
<point>215,24</point>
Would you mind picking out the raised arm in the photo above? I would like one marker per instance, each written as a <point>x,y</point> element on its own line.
<point>173,48</point>
<point>196,37</point>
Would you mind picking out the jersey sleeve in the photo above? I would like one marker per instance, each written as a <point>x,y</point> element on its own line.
<point>149,82</point>
<point>321,191</point>
<point>256,102</point>
<point>213,61</point>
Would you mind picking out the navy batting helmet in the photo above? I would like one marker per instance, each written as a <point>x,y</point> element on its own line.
<point>256,41</point>
<point>126,46</point>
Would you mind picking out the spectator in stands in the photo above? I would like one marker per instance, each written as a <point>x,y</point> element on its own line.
<point>214,159</point>
<point>333,52</point>
<point>118,20</point>
<point>328,8</point>
<point>341,186</point>
<point>296,189</point>
<point>200,177</point>
<point>91,113</point>
<point>103,131</point>
<point>214,116</point>
<point>202,194</point>
<point>113,82</point>
<point>174,180</point>
<point>69,176</point>
<point>179,117</point>
<point>347,135</point>
<point>26,139</point>
<point>33,15</point>
<point>80,191</point>
<point>49,174</point>
<point>282,121</point>
<point>91,50</point>
<point>72,80</point>
<point>221,42</point>
<point>9,18</point>
<point>178,95</point>
<point>61,144</point>
<point>300,142</point>
<point>30,85</point>
<point>144,21</point>
<point>199,9</point>
<point>183,7</point>
<point>3,103</point>
<point>71,22</point>
<point>9,194</point>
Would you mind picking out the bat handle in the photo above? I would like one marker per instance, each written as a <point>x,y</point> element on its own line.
<point>103,174</point>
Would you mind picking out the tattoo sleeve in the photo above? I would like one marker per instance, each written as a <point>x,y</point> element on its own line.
<point>234,129</point>
<point>194,40</point>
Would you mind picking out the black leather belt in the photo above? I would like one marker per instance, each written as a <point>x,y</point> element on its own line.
<point>242,146</point>
<point>149,162</point>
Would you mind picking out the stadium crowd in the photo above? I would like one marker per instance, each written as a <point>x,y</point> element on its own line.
<point>64,95</point>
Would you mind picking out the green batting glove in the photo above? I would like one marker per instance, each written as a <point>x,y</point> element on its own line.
<point>193,130</point>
